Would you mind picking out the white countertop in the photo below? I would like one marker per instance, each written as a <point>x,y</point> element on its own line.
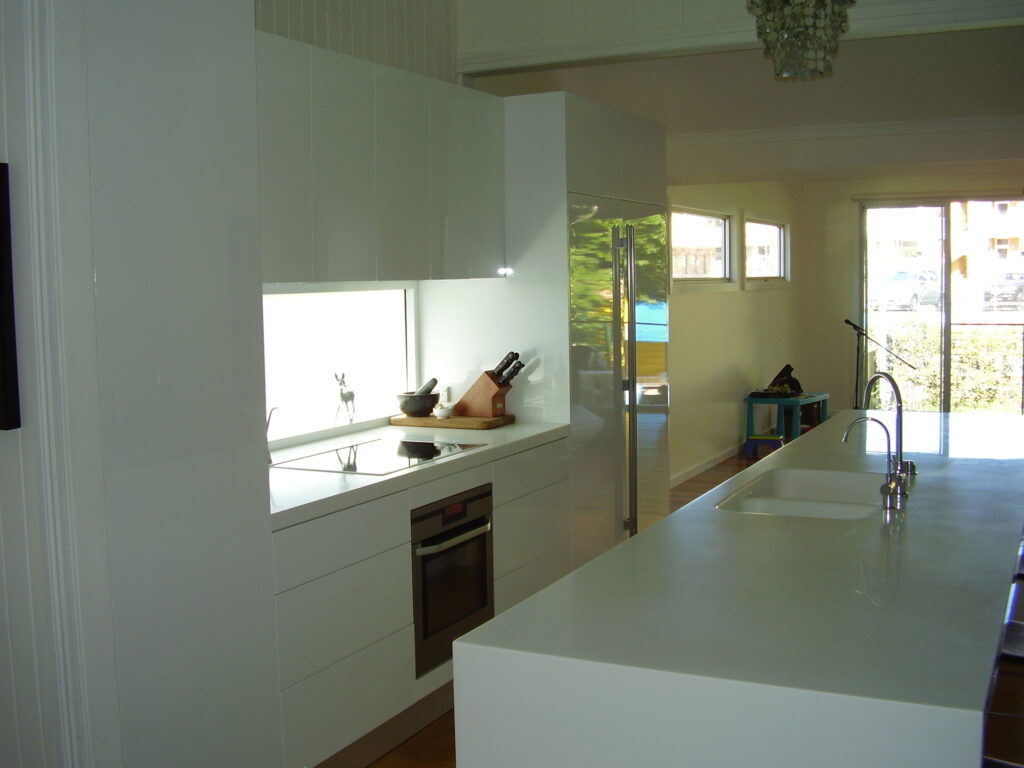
<point>300,495</point>
<point>836,606</point>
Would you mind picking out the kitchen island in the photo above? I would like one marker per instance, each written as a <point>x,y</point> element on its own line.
<point>721,638</point>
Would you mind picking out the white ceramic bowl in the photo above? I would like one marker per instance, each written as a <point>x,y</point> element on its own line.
<point>443,412</point>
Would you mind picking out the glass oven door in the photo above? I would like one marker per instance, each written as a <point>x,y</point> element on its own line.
<point>453,584</point>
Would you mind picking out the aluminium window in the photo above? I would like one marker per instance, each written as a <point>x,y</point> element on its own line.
<point>765,246</point>
<point>334,359</point>
<point>700,246</point>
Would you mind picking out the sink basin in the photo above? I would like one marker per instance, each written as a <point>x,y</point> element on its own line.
<point>821,493</point>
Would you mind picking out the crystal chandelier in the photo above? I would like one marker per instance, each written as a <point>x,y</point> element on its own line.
<point>801,36</point>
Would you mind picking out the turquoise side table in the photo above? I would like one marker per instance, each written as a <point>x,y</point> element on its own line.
<point>781,404</point>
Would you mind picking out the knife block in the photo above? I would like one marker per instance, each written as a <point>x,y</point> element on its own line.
<point>486,398</point>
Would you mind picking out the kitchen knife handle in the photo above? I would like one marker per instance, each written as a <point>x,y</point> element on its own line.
<point>511,373</point>
<point>506,361</point>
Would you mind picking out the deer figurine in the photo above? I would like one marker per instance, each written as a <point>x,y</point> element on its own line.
<point>346,398</point>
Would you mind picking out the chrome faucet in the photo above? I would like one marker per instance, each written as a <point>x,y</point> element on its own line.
<point>270,415</point>
<point>902,469</point>
<point>890,490</point>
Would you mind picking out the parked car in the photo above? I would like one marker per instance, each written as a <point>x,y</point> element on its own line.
<point>1005,292</point>
<point>906,290</point>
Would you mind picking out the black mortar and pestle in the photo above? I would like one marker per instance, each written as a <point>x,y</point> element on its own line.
<point>421,402</point>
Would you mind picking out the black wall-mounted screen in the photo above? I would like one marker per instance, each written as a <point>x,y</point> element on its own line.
<point>10,407</point>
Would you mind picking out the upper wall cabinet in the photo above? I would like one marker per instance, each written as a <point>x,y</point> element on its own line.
<point>344,174</point>
<point>612,153</point>
<point>373,173</point>
<point>403,174</point>
<point>467,138</point>
<point>283,94</point>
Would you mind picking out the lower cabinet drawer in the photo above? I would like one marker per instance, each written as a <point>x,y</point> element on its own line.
<point>526,472</point>
<point>328,711</point>
<point>530,526</point>
<point>311,549</point>
<point>531,578</point>
<point>332,617</point>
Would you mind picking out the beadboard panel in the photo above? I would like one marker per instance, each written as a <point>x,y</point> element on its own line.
<point>495,35</point>
<point>414,35</point>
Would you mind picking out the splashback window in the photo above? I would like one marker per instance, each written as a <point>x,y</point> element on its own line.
<point>334,359</point>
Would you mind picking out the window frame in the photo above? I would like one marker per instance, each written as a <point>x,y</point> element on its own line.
<point>411,349</point>
<point>751,282</point>
<point>731,281</point>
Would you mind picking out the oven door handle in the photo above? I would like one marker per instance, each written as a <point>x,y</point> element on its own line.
<point>433,549</point>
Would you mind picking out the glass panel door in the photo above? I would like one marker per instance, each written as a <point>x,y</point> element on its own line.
<point>905,301</point>
<point>987,307</point>
<point>944,290</point>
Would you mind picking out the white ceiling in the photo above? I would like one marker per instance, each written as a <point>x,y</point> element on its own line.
<point>935,77</point>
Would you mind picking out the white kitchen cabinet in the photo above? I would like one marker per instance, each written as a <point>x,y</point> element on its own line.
<point>426,493</point>
<point>403,174</point>
<point>372,173</point>
<point>344,604</point>
<point>467,182</point>
<point>332,617</point>
<point>307,551</point>
<point>331,709</point>
<point>531,578</point>
<point>344,176</point>
<point>612,153</point>
<point>525,472</point>
<point>532,522</point>
<point>283,118</point>
<point>531,526</point>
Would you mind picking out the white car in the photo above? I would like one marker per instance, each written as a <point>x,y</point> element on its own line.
<point>906,290</point>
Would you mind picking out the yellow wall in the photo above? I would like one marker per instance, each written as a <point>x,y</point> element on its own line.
<point>830,222</point>
<point>725,343</point>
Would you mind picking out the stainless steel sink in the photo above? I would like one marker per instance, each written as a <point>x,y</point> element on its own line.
<point>823,493</point>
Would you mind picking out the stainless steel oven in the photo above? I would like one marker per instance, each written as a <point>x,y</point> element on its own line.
<point>452,572</point>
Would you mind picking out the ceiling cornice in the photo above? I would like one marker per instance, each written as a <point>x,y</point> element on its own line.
<point>555,34</point>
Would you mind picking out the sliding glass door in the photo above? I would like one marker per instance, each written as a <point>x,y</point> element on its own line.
<point>944,291</point>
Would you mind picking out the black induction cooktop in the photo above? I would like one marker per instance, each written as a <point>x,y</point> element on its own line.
<point>377,457</point>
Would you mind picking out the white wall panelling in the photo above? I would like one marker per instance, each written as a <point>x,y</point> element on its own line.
<point>415,35</point>
<point>496,35</point>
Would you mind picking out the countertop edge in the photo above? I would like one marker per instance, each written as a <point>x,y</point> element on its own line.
<point>527,437</point>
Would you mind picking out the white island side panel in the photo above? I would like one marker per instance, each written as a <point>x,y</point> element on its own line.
<point>516,708</point>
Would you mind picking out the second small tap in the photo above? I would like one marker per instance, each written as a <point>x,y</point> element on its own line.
<point>892,490</point>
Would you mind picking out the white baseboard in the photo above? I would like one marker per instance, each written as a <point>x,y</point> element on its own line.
<point>696,469</point>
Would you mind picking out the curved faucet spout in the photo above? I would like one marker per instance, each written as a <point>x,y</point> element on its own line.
<point>888,443</point>
<point>897,465</point>
<point>890,488</point>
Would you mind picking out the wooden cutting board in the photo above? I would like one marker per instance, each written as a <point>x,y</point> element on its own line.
<point>453,422</point>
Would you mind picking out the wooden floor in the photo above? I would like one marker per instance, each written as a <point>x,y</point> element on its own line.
<point>432,747</point>
<point>435,745</point>
<point>700,484</point>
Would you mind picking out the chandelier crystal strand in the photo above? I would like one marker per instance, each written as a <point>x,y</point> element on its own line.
<point>801,36</point>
